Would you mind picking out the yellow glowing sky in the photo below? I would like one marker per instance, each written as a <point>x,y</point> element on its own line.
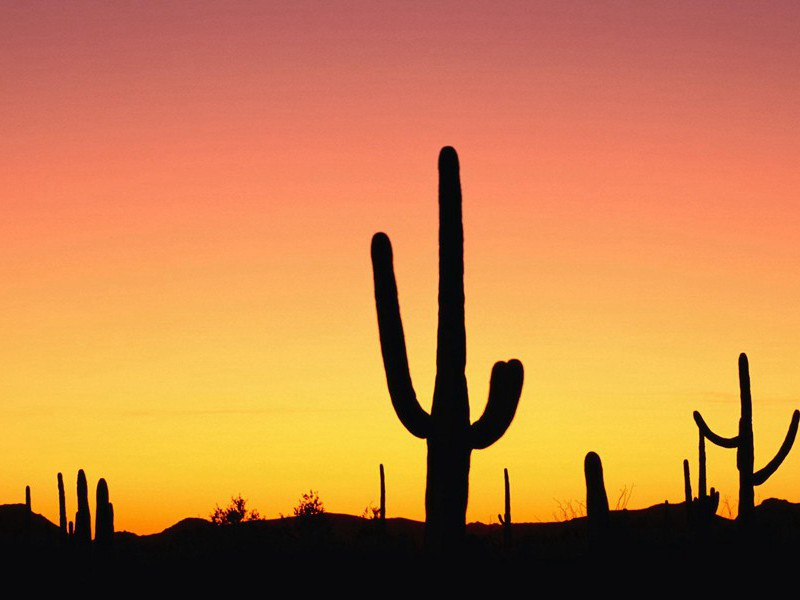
<point>188,195</point>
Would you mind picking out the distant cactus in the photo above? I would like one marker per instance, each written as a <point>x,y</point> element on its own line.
<point>505,519</point>
<point>104,517</point>
<point>71,529</point>
<point>744,446</point>
<point>704,507</point>
<point>451,439</point>
<point>687,483</point>
<point>596,500</point>
<point>83,518</point>
<point>383,497</point>
<point>28,508</point>
<point>62,506</point>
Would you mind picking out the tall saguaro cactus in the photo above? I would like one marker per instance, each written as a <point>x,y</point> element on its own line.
<point>450,436</point>
<point>743,443</point>
<point>83,518</point>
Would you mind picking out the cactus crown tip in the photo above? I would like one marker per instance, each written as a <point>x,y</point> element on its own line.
<point>592,457</point>
<point>448,157</point>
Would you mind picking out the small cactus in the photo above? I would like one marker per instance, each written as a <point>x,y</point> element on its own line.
<point>104,517</point>
<point>596,500</point>
<point>505,519</point>
<point>62,506</point>
<point>383,497</point>
<point>28,499</point>
<point>743,443</point>
<point>83,518</point>
<point>687,483</point>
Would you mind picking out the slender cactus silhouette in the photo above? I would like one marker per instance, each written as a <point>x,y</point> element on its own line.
<point>704,507</point>
<point>383,498</point>
<point>104,516</point>
<point>28,509</point>
<point>83,518</point>
<point>597,513</point>
<point>743,443</point>
<point>450,436</point>
<point>505,519</point>
<point>596,498</point>
<point>62,506</point>
<point>687,483</point>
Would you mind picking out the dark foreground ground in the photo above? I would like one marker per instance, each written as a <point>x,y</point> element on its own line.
<point>643,551</point>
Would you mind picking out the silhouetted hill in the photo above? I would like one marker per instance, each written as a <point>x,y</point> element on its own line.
<point>194,550</point>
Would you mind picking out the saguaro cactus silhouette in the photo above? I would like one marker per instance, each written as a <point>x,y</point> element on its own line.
<point>83,518</point>
<point>744,445</point>
<point>450,436</point>
<point>687,483</point>
<point>62,506</point>
<point>505,519</point>
<point>383,497</point>
<point>596,498</point>
<point>104,517</point>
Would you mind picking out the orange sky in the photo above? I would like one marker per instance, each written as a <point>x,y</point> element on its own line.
<point>188,195</point>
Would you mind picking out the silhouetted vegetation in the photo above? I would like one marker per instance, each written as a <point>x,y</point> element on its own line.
<point>743,442</point>
<point>62,506</point>
<point>83,518</point>
<point>104,515</point>
<point>451,438</point>
<point>505,518</point>
<point>309,505</point>
<point>235,512</point>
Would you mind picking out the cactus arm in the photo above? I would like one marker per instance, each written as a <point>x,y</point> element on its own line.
<point>713,437</point>
<point>393,344</point>
<point>762,475</point>
<point>505,387</point>
<point>451,350</point>
<point>500,518</point>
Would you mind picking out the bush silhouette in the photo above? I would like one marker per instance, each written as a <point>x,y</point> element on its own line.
<point>309,506</point>
<point>235,512</point>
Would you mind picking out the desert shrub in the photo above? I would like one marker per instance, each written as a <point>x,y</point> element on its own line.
<point>235,512</point>
<point>309,505</point>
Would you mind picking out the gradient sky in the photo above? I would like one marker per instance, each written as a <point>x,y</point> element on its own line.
<point>188,193</point>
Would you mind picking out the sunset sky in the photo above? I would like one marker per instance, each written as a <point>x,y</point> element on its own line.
<point>188,194</point>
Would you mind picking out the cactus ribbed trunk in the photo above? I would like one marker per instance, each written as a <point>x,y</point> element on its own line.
<point>62,506</point>
<point>743,443</point>
<point>447,429</point>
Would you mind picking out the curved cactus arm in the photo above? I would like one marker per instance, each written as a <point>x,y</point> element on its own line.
<point>713,437</point>
<point>393,343</point>
<point>762,475</point>
<point>505,388</point>
<point>501,519</point>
